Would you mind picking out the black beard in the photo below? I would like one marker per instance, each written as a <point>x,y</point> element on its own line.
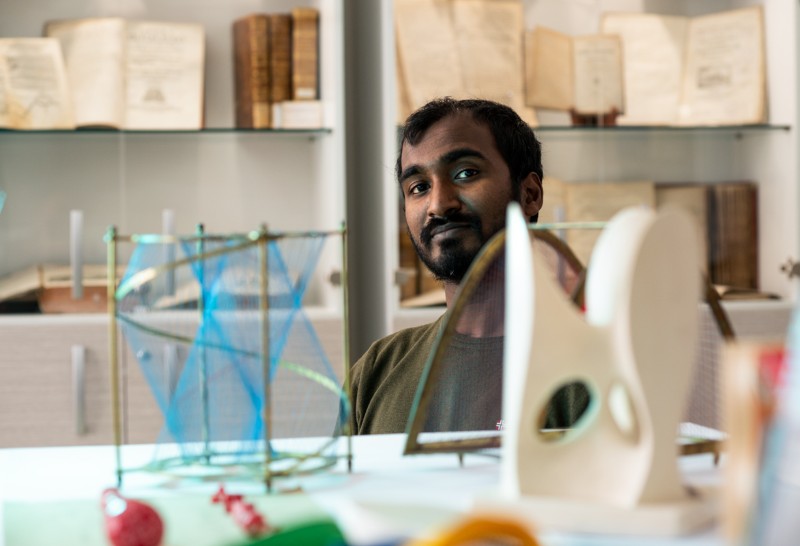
<point>454,260</point>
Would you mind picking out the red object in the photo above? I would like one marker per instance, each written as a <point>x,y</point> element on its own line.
<point>243,513</point>
<point>130,522</point>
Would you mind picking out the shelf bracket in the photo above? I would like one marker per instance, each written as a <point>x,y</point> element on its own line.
<point>791,268</point>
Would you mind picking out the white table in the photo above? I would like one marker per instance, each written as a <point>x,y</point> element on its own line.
<point>386,496</point>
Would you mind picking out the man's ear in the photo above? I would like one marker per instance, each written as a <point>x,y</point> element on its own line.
<point>531,195</point>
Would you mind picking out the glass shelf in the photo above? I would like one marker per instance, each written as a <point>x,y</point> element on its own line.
<point>721,129</point>
<point>210,130</point>
<point>621,130</point>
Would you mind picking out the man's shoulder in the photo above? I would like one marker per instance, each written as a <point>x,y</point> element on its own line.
<point>403,346</point>
<point>407,337</point>
<point>385,378</point>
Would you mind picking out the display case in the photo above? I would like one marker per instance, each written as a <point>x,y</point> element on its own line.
<point>230,180</point>
<point>764,152</point>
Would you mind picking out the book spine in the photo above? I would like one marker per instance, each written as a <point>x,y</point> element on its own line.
<point>280,50</point>
<point>733,234</point>
<point>305,54</point>
<point>252,71</point>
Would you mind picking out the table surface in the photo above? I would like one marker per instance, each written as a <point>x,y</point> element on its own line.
<point>385,497</point>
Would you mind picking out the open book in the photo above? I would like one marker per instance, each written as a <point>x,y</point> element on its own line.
<point>133,74</point>
<point>582,74</point>
<point>706,70</point>
<point>460,48</point>
<point>34,93</point>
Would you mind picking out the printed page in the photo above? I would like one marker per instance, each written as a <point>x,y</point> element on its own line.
<point>34,93</point>
<point>597,61</point>
<point>653,56</point>
<point>548,69</point>
<point>164,69</point>
<point>724,82</point>
<point>93,55</point>
<point>427,50</point>
<point>489,43</point>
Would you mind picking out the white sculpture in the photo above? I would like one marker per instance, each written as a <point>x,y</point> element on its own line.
<point>617,470</point>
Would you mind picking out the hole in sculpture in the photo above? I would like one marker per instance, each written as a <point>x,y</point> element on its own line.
<point>566,409</point>
<point>621,409</point>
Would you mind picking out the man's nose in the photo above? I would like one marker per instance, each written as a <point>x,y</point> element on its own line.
<point>444,199</point>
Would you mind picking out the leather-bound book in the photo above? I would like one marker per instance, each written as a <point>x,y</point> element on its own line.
<point>280,51</point>
<point>305,54</point>
<point>252,71</point>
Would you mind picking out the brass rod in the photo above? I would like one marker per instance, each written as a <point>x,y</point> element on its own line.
<point>113,357</point>
<point>433,368</point>
<point>265,355</point>
<point>201,350</point>
<point>252,237</point>
<point>346,348</point>
<point>721,318</point>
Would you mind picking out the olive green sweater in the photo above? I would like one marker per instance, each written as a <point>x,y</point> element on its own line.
<point>384,380</point>
<point>469,394</point>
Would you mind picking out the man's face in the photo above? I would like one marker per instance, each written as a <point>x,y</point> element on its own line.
<point>456,187</point>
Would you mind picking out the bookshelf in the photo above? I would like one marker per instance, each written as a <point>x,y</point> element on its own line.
<point>231,180</point>
<point>766,154</point>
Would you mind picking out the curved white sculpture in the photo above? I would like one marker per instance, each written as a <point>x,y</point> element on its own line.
<point>617,469</point>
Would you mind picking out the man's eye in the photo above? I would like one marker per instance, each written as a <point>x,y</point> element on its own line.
<point>417,188</point>
<point>466,173</point>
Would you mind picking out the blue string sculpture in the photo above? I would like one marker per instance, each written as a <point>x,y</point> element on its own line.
<point>218,327</point>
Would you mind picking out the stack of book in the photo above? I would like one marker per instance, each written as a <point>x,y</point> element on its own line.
<point>276,65</point>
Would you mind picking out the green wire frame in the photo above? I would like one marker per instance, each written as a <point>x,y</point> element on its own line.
<point>259,238</point>
<point>431,374</point>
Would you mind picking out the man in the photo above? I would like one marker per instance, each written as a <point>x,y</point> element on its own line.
<point>460,163</point>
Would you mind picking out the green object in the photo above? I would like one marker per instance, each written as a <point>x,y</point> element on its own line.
<point>320,533</point>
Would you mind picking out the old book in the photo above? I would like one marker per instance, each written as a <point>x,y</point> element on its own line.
<point>305,54</point>
<point>51,287</point>
<point>34,92</point>
<point>733,234</point>
<point>408,276</point>
<point>433,298</point>
<point>251,66</point>
<point>693,198</point>
<point>133,74</point>
<point>735,293</point>
<point>548,69</point>
<point>581,73</point>
<point>727,218</point>
<point>591,202</point>
<point>404,107</point>
<point>280,57</point>
<point>705,70</point>
<point>473,48</point>
<point>297,114</point>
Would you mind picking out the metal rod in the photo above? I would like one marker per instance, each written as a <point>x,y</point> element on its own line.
<point>205,432</point>
<point>111,262</point>
<point>252,236</point>
<point>346,348</point>
<point>266,364</point>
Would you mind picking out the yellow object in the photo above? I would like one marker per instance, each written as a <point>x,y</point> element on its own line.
<point>480,528</point>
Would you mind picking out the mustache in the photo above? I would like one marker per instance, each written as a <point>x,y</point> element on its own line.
<point>426,235</point>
